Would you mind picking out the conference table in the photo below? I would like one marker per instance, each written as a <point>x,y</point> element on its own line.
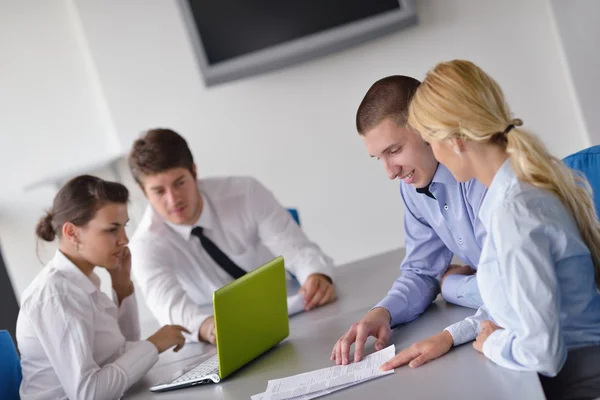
<point>463,373</point>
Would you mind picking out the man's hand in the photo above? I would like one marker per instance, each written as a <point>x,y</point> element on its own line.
<point>318,291</point>
<point>421,352</point>
<point>120,275</point>
<point>207,331</point>
<point>455,269</point>
<point>375,323</point>
<point>487,328</point>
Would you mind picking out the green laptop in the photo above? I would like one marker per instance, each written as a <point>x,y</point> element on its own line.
<point>251,316</point>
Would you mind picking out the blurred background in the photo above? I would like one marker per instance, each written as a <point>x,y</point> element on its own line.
<point>80,79</point>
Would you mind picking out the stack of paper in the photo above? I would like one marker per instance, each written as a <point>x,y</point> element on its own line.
<point>318,383</point>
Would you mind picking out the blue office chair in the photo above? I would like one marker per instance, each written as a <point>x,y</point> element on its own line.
<point>10,368</point>
<point>588,162</point>
<point>294,213</point>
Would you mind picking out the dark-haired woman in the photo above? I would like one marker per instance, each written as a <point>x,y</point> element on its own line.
<point>76,342</point>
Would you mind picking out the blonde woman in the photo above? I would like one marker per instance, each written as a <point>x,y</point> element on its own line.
<point>539,269</point>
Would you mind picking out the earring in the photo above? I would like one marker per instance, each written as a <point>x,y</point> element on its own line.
<point>456,150</point>
<point>77,246</point>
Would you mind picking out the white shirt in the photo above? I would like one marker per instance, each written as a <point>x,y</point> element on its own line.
<point>176,274</point>
<point>74,341</point>
<point>536,279</point>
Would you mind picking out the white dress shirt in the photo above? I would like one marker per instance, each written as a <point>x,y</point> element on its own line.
<point>536,279</point>
<point>74,341</point>
<point>176,274</point>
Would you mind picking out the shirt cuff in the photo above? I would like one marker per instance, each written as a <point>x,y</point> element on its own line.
<point>462,290</point>
<point>390,304</point>
<point>194,328</point>
<point>137,360</point>
<point>302,274</point>
<point>385,310</point>
<point>462,332</point>
<point>492,347</point>
<point>128,316</point>
<point>450,288</point>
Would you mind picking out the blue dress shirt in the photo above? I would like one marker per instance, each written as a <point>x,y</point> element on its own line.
<point>436,228</point>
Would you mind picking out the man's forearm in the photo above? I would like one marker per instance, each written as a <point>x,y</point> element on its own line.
<point>409,296</point>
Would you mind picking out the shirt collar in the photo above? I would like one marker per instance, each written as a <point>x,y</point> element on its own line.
<point>206,220</point>
<point>496,193</point>
<point>426,191</point>
<point>70,271</point>
<point>443,175</point>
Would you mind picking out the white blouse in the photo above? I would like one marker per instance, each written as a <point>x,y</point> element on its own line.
<point>75,342</point>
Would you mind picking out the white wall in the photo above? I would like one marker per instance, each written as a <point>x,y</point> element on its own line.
<point>85,94</point>
<point>52,120</point>
<point>579,30</point>
<point>294,128</point>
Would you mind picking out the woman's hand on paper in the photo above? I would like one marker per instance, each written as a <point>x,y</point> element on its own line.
<point>421,352</point>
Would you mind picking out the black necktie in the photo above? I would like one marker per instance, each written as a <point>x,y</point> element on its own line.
<point>220,258</point>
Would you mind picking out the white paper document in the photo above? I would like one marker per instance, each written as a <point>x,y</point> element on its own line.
<point>318,383</point>
<point>315,394</point>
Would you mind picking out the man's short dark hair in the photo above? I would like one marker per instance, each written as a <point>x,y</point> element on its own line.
<point>159,150</point>
<point>387,98</point>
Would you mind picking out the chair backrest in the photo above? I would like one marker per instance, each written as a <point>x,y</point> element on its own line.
<point>295,215</point>
<point>10,368</point>
<point>588,162</point>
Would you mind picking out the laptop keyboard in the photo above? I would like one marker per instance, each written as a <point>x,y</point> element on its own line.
<point>208,367</point>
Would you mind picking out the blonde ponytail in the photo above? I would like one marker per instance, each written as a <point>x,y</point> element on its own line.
<point>457,99</point>
<point>533,164</point>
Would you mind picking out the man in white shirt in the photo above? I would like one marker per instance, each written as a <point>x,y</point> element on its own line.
<point>198,235</point>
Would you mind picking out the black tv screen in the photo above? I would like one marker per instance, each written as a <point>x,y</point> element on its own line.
<point>231,28</point>
<point>234,39</point>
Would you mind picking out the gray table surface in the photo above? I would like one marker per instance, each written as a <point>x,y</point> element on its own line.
<point>463,373</point>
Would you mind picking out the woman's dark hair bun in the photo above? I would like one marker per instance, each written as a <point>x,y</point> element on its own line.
<point>44,229</point>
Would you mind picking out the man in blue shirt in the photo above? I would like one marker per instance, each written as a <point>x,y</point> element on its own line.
<point>440,219</point>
